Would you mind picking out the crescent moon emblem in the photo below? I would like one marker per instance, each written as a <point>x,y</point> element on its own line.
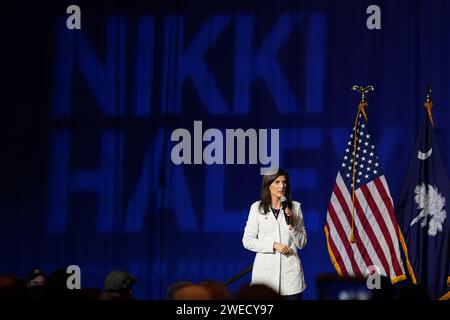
<point>424,156</point>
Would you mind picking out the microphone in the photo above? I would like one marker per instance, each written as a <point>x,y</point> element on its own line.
<point>284,205</point>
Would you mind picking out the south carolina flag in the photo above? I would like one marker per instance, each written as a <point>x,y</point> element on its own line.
<point>423,215</point>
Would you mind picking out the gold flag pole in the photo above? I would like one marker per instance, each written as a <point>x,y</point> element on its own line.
<point>361,109</point>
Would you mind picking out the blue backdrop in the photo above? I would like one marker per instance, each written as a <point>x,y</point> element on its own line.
<point>87,176</point>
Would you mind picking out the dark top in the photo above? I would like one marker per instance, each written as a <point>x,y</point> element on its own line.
<point>276,212</point>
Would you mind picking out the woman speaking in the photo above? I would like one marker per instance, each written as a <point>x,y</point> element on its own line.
<point>275,230</point>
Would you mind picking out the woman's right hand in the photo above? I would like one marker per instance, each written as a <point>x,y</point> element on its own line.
<point>282,248</point>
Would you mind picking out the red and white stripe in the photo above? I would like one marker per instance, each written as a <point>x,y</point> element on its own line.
<point>375,229</point>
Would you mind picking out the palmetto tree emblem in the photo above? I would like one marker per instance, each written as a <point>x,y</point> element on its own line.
<point>431,204</point>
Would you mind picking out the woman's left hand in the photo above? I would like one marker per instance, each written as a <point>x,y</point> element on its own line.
<point>289,213</point>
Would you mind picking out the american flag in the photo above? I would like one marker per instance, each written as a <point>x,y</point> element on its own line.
<point>375,230</point>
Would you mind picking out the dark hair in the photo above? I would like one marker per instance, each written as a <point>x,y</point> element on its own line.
<point>266,199</point>
<point>257,292</point>
<point>175,287</point>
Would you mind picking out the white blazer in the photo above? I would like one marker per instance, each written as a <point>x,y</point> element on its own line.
<point>282,273</point>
